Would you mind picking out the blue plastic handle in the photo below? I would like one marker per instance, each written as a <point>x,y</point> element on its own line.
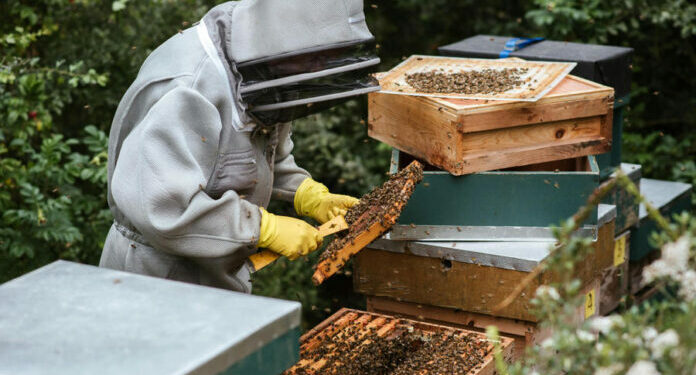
<point>516,44</point>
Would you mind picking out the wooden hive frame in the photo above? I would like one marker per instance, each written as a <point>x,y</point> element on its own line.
<point>352,325</point>
<point>465,136</point>
<point>328,267</point>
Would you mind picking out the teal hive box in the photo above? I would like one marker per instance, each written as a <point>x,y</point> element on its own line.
<point>670,198</point>
<point>509,205</point>
<point>608,162</point>
<point>627,206</point>
<point>68,318</point>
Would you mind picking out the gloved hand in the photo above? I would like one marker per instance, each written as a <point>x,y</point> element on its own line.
<point>314,200</point>
<point>287,236</point>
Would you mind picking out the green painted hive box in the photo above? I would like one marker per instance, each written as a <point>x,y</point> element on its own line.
<point>508,205</point>
<point>627,206</point>
<point>68,318</point>
<point>670,198</point>
<point>610,161</point>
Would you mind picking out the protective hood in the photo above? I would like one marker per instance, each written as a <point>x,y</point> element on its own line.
<point>281,55</point>
<point>272,28</point>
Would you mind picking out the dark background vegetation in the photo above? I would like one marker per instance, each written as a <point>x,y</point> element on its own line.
<point>64,65</point>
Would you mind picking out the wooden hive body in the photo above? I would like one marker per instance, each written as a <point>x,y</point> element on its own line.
<point>466,136</point>
<point>472,277</point>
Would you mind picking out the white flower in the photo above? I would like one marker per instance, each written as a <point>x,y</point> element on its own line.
<point>673,262</point>
<point>611,370</point>
<point>687,283</point>
<point>656,270</point>
<point>649,334</point>
<point>643,368</point>
<point>548,291</point>
<point>604,324</point>
<point>663,341</point>
<point>548,343</point>
<point>585,336</point>
<point>676,254</point>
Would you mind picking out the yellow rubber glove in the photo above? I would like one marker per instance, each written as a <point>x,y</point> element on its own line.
<point>314,200</point>
<point>287,236</point>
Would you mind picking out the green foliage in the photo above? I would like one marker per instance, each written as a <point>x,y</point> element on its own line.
<point>64,64</point>
<point>51,186</point>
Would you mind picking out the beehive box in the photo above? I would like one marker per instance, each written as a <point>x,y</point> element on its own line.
<point>466,136</point>
<point>610,161</point>
<point>525,334</point>
<point>470,276</point>
<point>614,283</point>
<point>608,65</point>
<point>670,198</point>
<point>67,318</point>
<point>358,342</point>
<point>627,207</point>
<point>509,205</point>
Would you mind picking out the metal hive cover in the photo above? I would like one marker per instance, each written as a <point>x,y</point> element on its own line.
<point>68,318</point>
<point>660,193</point>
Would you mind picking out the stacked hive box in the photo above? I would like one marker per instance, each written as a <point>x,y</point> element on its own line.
<point>67,318</point>
<point>670,198</point>
<point>464,242</point>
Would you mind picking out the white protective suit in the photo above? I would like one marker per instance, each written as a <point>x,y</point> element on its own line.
<point>188,167</point>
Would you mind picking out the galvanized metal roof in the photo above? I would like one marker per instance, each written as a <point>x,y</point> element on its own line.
<point>68,318</point>
<point>661,193</point>
<point>514,255</point>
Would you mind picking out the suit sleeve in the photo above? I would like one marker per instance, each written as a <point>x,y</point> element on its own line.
<point>287,175</point>
<point>162,169</point>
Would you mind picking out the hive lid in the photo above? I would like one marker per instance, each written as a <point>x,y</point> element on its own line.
<point>661,193</point>
<point>67,318</point>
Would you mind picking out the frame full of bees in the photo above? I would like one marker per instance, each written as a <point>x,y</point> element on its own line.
<point>356,342</point>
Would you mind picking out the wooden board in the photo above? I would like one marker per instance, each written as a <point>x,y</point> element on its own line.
<point>354,325</point>
<point>525,334</point>
<point>467,136</point>
<point>614,279</point>
<point>467,286</point>
<point>541,76</point>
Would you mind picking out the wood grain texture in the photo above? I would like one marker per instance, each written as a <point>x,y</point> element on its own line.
<point>615,279</point>
<point>524,333</point>
<point>467,286</point>
<point>466,136</point>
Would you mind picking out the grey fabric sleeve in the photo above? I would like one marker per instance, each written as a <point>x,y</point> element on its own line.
<point>287,175</point>
<point>159,178</point>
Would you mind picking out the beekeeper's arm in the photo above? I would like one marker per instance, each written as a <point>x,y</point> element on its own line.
<point>294,184</point>
<point>163,167</point>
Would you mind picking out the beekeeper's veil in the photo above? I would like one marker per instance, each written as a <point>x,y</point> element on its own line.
<point>291,58</point>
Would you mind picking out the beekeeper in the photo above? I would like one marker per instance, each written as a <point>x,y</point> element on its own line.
<point>200,142</point>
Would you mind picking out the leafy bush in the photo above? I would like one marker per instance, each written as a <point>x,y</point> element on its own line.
<point>52,187</point>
